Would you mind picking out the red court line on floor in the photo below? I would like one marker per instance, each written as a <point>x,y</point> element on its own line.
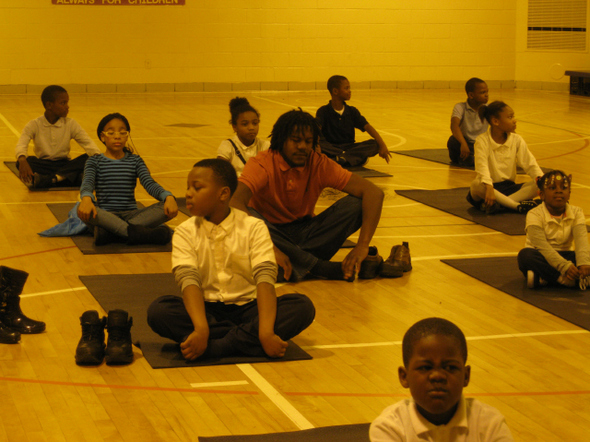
<point>293,393</point>
<point>124,387</point>
<point>586,143</point>
<point>37,253</point>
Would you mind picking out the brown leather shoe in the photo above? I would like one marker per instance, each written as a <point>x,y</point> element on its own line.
<point>371,265</point>
<point>399,261</point>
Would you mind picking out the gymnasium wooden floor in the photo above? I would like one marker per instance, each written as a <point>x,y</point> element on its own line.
<point>531,365</point>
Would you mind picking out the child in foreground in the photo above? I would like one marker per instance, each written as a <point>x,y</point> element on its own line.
<point>245,121</point>
<point>223,261</point>
<point>553,231</point>
<point>497,153</point>
<point>466,125</point>
<point>113,213</point>
<point>435,353</point>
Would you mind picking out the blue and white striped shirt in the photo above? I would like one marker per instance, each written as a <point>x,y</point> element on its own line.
<point>114,182</point>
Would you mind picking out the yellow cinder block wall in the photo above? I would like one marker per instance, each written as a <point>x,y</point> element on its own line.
<point>259,42</point>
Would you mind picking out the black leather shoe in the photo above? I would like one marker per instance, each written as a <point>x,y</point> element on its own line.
<point>12,282</point>
<point>119,348</point>
<point>90,350</point>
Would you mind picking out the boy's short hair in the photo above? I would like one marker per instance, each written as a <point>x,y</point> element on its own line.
<point>335,81</point>
<point>472,84</point>
<point>223,170</point>
<point>289,122</point>
<point>50,93</point>
<point>428,327</point>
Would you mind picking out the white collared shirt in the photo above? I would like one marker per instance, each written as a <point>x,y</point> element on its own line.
<point>227,151</point>
<point>224,254</point>
<point>473,421</point>
<point>52,141</point>
<point>495,162</point>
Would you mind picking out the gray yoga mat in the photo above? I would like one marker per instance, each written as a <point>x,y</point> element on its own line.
<point>348,244</point>
<point>86,242</point>
<point>502,273</point>
<point>12,166</point>
<point>134,293</point>
<point>340,433</point>
<point>453,201</point>
<point>365,172</point>
<point>442,156</point>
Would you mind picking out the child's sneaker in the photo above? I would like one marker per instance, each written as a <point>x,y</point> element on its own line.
<point>533,281</point>
<point>584,282</point>
<point>526,205</point>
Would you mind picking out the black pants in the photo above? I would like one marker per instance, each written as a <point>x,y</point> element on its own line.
<point>320,237</point>
<point>235,327</point>
<point>455,151</point>
<point>355,154</point>
<point>532,259</point>
<point>71,170</point>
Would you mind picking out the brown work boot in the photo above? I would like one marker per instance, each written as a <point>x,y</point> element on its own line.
<point>399,261</point>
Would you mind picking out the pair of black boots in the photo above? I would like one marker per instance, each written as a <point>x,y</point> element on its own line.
<point>12,320</point>
<point>91,348</point>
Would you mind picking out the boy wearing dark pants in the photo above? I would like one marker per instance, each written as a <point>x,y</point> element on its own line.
<point>338,122</point>
<point>466,124</point>
<point>51,134</point>
<point>224,262</point>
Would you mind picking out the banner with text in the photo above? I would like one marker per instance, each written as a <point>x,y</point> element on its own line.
<point>120,2</point>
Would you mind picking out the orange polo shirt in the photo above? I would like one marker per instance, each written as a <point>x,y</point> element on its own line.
<point>283,194</point>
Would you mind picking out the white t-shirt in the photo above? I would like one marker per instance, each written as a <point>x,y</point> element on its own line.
<point>473,421</point>
<point>227,151</point>
<point>225,254</point>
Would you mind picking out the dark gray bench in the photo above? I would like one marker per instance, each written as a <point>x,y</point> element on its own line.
<point>579,82</point>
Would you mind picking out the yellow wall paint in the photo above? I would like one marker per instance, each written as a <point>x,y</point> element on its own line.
<point>235,41</point>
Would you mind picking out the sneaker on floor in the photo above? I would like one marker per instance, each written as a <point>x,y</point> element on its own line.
<point>371,265</point>
<point>533,281</point>
<point>470,200</point>
<point>584,282</point>
<point>526,205</point>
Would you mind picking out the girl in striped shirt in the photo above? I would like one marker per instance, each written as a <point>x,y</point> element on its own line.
<point>108,192</point>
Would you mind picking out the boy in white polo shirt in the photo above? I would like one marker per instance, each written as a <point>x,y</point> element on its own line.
<point>224,262</point>
<point>435,353</point>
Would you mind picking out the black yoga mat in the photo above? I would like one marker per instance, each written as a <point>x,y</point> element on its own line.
<point>453,201</point>
<point>442,156</point>
<point>12,166</point>
<point>502,273</point>
<point>86,242</point>
<point>340,433</point>
<point>365,172</point>
<point>134,293</point>
<point>348,244</point>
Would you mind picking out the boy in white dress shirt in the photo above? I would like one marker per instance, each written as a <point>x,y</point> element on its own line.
<point>224,262</point>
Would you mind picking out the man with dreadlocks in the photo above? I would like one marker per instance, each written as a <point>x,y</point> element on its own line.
<point>282,185</point>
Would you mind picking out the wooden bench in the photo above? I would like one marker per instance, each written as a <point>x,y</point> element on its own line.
<point>579,82</point>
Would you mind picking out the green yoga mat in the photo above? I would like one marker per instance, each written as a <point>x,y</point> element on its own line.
<point>86,242</point>
<point>134,293</point>
<point>340,433</point>
<point>572,305</point>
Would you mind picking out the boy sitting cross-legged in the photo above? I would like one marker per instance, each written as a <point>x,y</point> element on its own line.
<point>224,262</point>
<point>434,354</point>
